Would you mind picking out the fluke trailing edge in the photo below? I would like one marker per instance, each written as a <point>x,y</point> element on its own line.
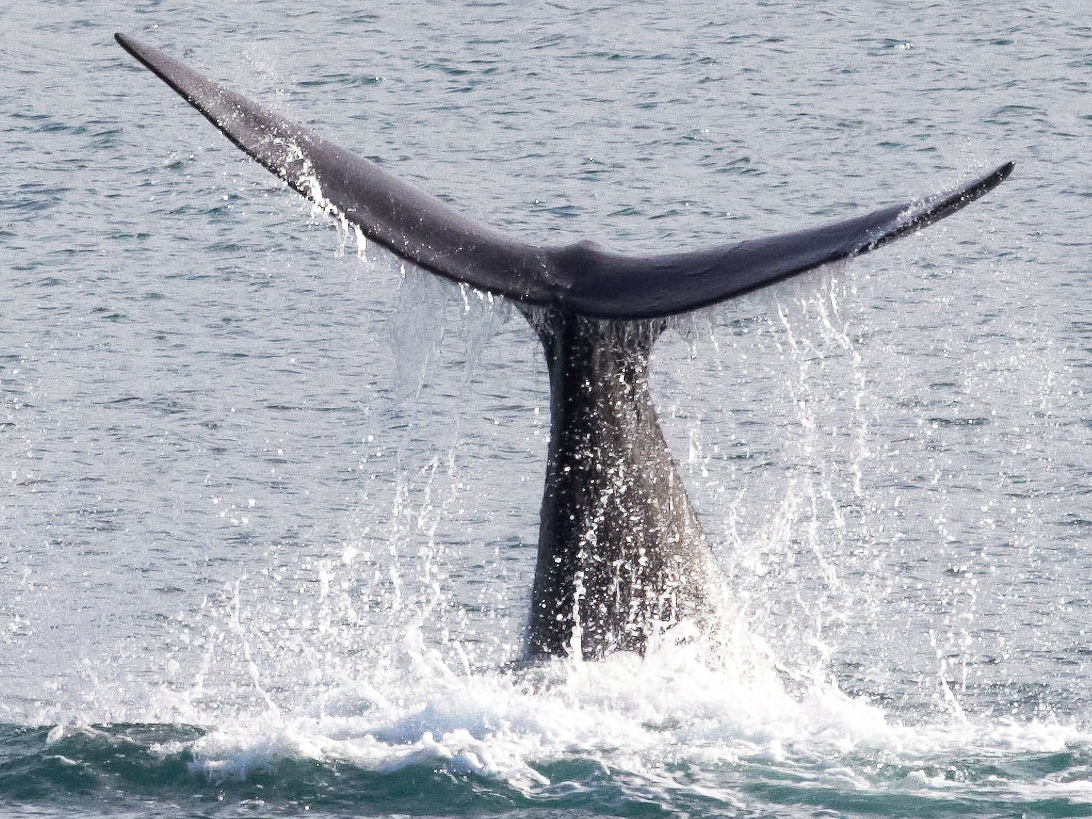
<point>621,553</point>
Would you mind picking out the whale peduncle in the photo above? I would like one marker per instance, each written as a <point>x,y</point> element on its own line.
<point>621,554</point>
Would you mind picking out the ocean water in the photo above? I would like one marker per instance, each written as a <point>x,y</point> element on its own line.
<point>269,500</point>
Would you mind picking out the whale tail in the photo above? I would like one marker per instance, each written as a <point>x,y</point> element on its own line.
<point>582,279</point>
<point>621,553</point>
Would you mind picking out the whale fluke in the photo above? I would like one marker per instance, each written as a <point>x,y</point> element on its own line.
<point>581,279</point>
<point>621,554</point>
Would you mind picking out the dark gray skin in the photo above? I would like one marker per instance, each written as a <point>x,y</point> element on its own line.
<point>621,554</point>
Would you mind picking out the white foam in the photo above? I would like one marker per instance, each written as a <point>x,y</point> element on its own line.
<point>685,702</point>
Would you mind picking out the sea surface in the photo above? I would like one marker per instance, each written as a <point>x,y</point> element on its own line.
<point>269,500</point>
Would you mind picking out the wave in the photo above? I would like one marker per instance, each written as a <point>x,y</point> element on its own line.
<point>683,730</point>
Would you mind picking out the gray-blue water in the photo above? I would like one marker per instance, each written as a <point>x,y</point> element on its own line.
<point>268,509</point>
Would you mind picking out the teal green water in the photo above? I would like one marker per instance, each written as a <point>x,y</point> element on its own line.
<point>268,507</point>
<point>154,768</point>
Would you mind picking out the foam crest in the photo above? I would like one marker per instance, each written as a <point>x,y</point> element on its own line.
<point>698,720</point>
<point>685,701</point>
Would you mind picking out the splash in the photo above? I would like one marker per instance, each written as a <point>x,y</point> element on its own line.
<point>696,725</point>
